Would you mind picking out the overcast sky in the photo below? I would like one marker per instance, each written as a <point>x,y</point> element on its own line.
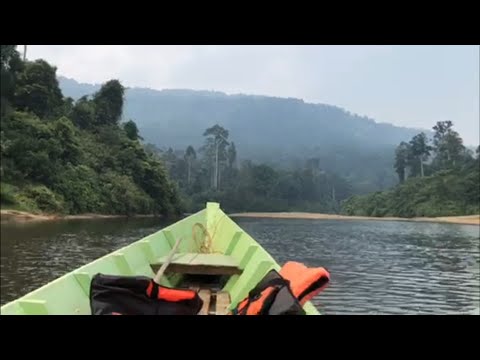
<point>411,86</point>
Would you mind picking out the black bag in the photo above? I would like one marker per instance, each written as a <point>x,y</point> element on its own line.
<point>271,296</point>
<point>139,295</point>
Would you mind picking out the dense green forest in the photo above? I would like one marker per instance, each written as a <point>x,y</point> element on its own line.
<point>279,132</point>
<point>213,173</point>
<point>64,156</point>
<point>437,177</point>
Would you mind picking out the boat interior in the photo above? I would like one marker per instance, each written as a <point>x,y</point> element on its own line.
<point>207,274</point>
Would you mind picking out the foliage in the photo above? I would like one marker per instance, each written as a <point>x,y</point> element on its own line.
<point>74,157</point>
<point>250,186</point>
<point>451,188</point>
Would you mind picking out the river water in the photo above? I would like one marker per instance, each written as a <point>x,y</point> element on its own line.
<point>377,267</point>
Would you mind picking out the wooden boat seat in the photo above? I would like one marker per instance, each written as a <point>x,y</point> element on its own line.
<point>200,264</point>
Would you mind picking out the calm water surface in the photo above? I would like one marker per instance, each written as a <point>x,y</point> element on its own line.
<point>376,267</point>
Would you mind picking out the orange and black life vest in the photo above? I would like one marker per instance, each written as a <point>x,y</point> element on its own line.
<point>284,292</point>
<point>139,295</point>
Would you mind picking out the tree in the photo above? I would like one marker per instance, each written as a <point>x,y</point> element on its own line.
<point>448,144</point>
<point>37,89</point>
<point>109,103</point>
<point>454,147</point>
<point>10,66</point>
<point>441,129</point>
<point>401,159</point>
<point>83,113</point>
<point>420,150</point>
<point>7,52</point>
<point>190,156</point>
<point>131,130</point>
<point>231,154</point>
<point>264,179</point>
<point>216,142</point>
<point>65,133</point>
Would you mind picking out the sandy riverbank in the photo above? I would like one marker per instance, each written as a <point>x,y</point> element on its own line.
<point>468,220</point>
<point>20,216</point>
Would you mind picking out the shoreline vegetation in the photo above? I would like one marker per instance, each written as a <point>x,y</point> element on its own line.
<point>22,216</point>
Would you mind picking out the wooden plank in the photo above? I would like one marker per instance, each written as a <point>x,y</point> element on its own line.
<point>196,263</point>
<point>195,288</point>
<point>202,259</point>
<point>205,295</point>
<point>222,303</point>
<point>198,269</point>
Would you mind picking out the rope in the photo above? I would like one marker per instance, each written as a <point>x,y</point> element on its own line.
<point>204,246</point>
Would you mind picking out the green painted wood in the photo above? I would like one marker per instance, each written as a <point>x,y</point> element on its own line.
<point>37,307</point>
<point>248,256</point>
<point>254,278</point>
<point>122,264</point>
<point>170,238</point>
<point>83,280</point>
<point>236,238</point>
<point>231,283</point>
<point>147,250</point>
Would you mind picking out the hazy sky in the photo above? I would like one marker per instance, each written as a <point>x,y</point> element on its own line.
<point>411,86</point>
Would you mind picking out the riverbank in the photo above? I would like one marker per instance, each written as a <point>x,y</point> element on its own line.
<point>21,216</point>
<point>466,220</point>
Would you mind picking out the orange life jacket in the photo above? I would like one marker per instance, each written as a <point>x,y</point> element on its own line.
<point>305,282</point>
<point>284,292</point>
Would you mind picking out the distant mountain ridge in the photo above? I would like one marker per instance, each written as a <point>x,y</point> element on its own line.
<point>280,131</point>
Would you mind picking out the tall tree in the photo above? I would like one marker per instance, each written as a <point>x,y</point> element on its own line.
<point>401,160</point>
<point>232,155</point>
<point>216,143</point>
<point>441,129</point>
<point>190,156</point>
<point>131,130</point>
<point>109,103</point>
<point>420,150</point>
<point>448,144</point>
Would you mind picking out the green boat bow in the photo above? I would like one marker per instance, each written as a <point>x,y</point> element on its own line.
<point>212,244</point>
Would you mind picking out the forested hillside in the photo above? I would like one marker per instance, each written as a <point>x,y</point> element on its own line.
<point>279,132</point>
<point>64,156</point>
<point>213,172</point>
<point>437,177</point>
